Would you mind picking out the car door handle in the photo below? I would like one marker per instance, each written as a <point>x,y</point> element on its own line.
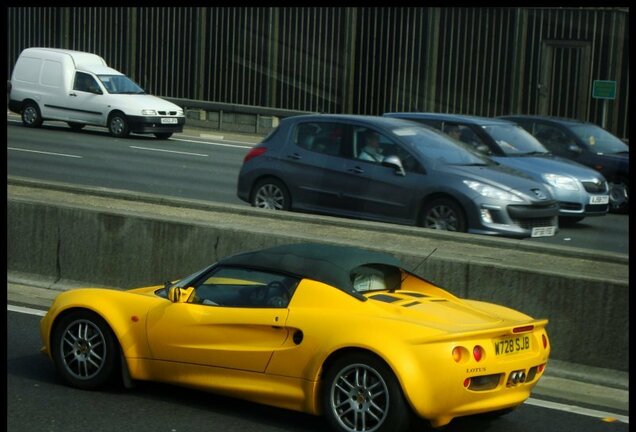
<point>356,170</point>
<point>294,156</point>
<point>73,94</point>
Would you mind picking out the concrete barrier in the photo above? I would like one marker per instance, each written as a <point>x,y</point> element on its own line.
<point>64,234</point>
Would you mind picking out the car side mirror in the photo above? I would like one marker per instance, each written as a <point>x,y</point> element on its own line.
<point>178,295</point>
<point>395,163</point>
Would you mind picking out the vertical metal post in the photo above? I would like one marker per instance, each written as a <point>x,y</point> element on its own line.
<point>131,48</point>
<point>200,52</point>
<point>349,54</point>
<point>432,50</point>
<point>66,28</point>
<point>518,62</point>
<point>272,60</point>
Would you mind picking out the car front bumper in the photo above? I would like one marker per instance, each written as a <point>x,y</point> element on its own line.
<point>155,124</point>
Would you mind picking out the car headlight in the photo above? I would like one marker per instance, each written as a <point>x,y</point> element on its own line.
<point>149,112</point>
<point>492,192</point>
<point>561,181</point>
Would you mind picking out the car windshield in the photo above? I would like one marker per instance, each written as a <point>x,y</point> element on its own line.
<point>513,140</point>
<point>599,140</point>
<point>120,84</point>
<point>436,146</point>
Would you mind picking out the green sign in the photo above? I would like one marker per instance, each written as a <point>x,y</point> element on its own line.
<point>604,89</point>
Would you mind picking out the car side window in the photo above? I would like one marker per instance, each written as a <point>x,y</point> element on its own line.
<point>246,288</point>
<point>321,137</point>
<point>86,83</point>
<point>385,147</point>
<point>552,137</point>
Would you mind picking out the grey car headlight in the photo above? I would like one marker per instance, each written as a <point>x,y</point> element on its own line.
<point>561,182</point>
<point>492,192</point>
<point>148,112</point>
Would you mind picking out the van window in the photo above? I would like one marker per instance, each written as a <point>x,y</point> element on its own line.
<point>52,74</point>
<point>27,69</point>
<point>86,83</point>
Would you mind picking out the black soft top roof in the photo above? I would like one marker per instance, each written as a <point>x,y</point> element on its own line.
<point>329,264</point>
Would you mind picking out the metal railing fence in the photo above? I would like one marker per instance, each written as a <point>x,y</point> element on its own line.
<point>481,60</point>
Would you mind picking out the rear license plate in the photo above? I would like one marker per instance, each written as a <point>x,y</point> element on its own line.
<point>599,199</point>
<point>169,121</point>
<point>543,231</point>
<point>512,345</point>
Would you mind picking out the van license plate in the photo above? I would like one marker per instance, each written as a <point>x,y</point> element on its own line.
<point>543,231</point>
<point>599,199</point>
<point>169,121</point>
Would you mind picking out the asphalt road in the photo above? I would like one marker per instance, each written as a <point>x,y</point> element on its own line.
<point>38,401</point>
<point>196,167</point>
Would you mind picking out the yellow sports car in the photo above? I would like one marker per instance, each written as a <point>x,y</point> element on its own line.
<point>328,330</point>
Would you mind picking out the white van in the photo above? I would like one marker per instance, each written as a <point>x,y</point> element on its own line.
<point>80,89</point>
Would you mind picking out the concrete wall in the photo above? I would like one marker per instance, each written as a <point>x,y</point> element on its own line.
<point>68,235</point>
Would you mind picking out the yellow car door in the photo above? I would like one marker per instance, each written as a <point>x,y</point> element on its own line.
<point>229,337</point>
<point>232,319</point>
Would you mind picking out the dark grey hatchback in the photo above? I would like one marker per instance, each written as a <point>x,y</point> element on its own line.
<point>320,164</point>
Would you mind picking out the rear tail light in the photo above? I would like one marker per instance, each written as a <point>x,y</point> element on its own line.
<point>478,353</point>
<point>255,152</point>
<point>544,338</point>
<point>522,329</point>
<point>460,354</point>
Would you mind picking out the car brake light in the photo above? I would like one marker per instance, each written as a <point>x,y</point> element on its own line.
<point>256,151</point>
<point>545,341</point>
<point>478,353</point>
<point>522,329</point>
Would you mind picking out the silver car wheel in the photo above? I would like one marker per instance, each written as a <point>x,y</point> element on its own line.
<point>359,398</point>
<point>441,217</point>
<point>83,349</point>
<point>29,115</point>
<point>269,196</point>
<point>117,126</point>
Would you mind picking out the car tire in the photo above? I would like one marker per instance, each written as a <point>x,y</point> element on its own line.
<point>374,403</point>
<point>118,125</point>
<point>76,127</point>
<point>84,350</point>
<point>271,194</point>
<point>31,116</point>
<point>619,196</point>
<point>163,135</point>
<point>443,214</point>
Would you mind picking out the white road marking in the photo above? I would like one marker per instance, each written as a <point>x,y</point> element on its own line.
<point>577,410</point>
<point>25,310</point>
<point>43,152</point>
<point>247,145</point>
<point>169,151</point>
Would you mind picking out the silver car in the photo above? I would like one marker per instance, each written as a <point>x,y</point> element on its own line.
<point>314,163</point>
<point>580,190</point>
